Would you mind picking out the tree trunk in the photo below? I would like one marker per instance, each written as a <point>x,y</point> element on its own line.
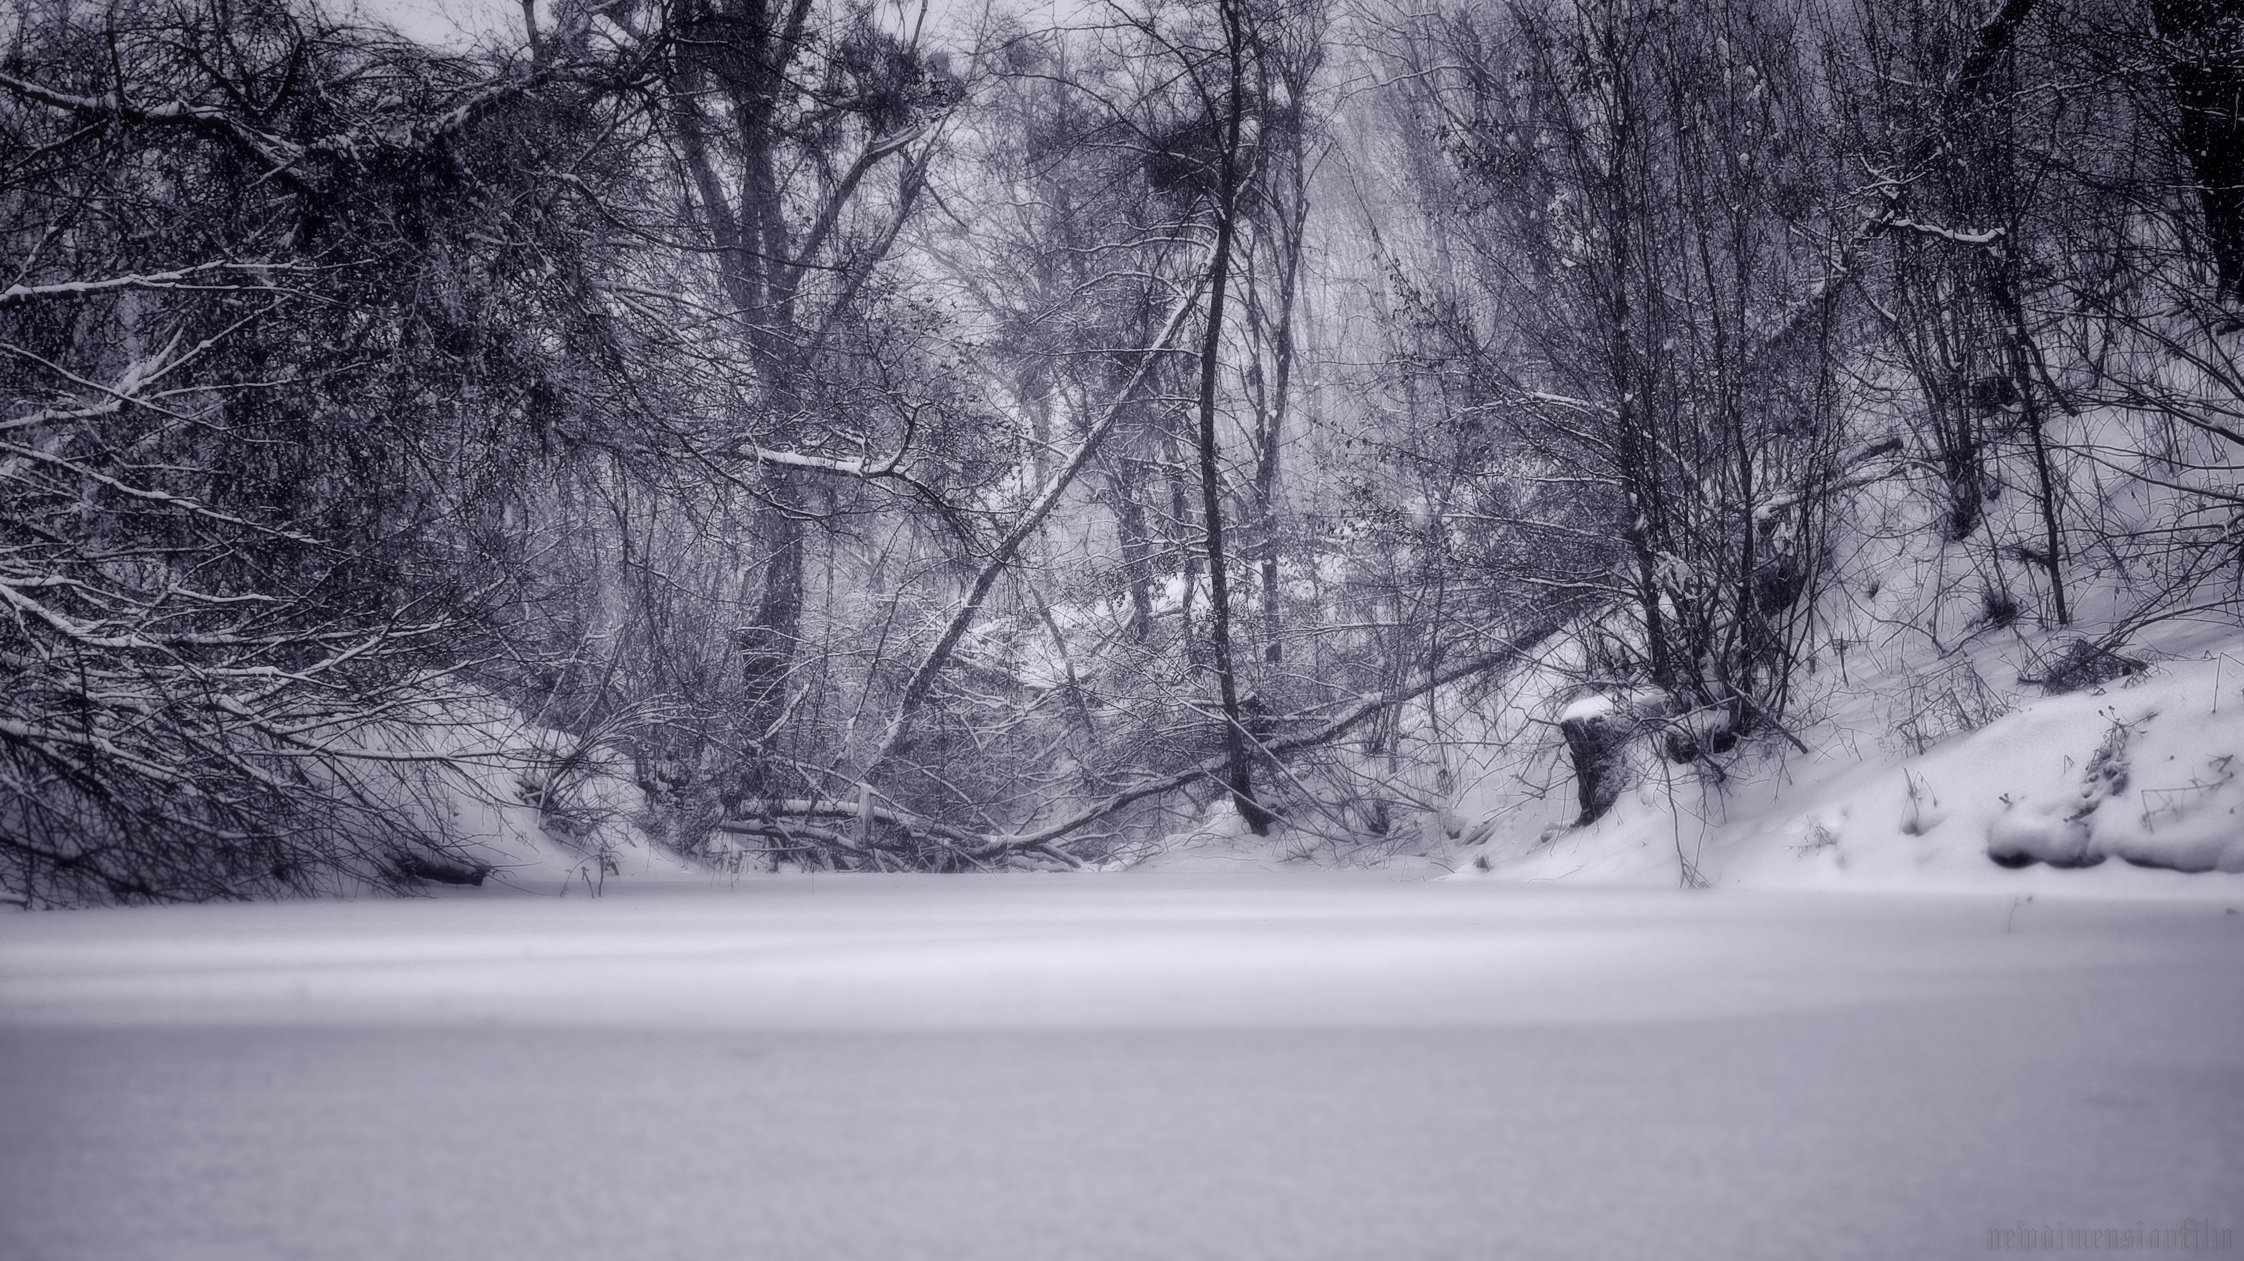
<point>2205,78</point>
<point>1239,768</point>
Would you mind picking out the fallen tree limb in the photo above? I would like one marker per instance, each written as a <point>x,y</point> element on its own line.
<point>820,808</point>
<point>1511,651</point>
<point>1851,471</point>
<point>771,818</point>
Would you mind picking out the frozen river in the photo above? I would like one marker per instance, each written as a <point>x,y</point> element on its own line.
<point>1117,1066</point>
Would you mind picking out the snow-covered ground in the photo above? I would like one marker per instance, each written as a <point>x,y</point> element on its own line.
<point>2132,785</point>
<point>1123,1065</point>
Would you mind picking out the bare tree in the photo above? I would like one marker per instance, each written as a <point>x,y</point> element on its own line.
<point>1639,187</point>
<point>238,570</point>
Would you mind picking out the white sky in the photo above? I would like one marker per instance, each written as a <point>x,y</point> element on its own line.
<point>444,23</point>
<point>458,23</point>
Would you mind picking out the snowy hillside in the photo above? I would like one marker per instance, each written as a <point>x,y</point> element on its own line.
<point>1937,739</point>
<point>1944,778</point>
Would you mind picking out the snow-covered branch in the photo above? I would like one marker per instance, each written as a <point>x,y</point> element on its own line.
<point>1961,236</point>
<point>185,278</point>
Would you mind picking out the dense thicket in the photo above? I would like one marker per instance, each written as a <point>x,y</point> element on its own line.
<point>919,445</point>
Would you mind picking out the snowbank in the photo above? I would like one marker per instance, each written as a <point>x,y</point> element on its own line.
<point>525,806</point>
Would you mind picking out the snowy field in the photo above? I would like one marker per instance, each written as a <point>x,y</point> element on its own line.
<point>1117,1066</point>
